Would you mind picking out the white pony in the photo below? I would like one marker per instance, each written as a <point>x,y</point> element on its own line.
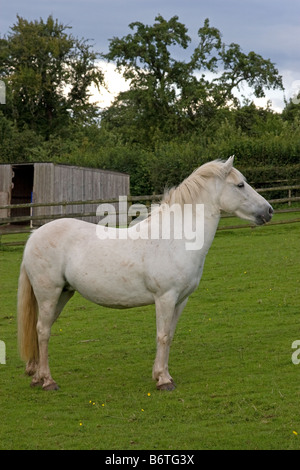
<point>67,255</point>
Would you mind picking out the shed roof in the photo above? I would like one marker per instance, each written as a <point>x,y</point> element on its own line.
<point>67,166</point>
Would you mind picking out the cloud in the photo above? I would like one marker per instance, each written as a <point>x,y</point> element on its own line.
<point>115,83</point>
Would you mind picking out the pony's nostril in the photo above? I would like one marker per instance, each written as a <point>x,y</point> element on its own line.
<point>271,210</point>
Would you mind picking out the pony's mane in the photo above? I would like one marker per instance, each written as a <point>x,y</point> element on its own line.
<point>188,191</point>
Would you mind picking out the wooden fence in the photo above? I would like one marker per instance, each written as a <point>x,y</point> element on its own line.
<point>24,224</point>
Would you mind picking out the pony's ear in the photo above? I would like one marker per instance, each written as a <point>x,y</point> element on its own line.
<point>228,165</point>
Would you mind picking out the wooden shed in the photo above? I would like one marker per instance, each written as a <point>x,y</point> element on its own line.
<point>54,183</point>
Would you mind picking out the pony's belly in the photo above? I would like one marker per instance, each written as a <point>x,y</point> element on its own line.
<point>129,302</point>
<point>118,295</point>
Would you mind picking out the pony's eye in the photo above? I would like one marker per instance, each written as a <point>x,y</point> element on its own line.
<point>241,185</point>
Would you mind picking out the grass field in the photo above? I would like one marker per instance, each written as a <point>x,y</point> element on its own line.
<point>237,387</point>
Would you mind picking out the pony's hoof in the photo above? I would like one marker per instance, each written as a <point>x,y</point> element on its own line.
<point>169,386</point>
<point>51,386</point>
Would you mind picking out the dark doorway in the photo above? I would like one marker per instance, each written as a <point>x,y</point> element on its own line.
<point>22,190</point>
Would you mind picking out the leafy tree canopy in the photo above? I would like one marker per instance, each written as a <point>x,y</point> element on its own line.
<point>48,73</point>
<point>169,95</point>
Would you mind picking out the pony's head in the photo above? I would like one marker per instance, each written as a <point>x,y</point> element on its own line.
<point>238,197</point>
<point>222,186</point>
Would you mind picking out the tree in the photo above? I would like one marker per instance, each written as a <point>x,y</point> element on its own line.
<point>48,73</point>
<point>291,112</point>
<point>172,96</point>
<point>145,59</point>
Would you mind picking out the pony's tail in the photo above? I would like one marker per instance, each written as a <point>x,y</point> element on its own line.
<point>27,319</point>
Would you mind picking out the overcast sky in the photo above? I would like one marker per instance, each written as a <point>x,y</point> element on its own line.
<point>268,27</point>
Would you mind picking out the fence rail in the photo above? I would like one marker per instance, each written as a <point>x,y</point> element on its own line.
<point>9,225</point>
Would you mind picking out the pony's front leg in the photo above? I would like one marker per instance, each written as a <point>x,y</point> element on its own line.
<point>165,309</point>
<point>166,320</point>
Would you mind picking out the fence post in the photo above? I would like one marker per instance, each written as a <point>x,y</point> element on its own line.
<point>2,353</point>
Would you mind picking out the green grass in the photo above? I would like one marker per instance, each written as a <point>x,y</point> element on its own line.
<point>237,387</point>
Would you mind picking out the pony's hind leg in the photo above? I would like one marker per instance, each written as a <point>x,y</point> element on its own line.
<point>48,313</point>
<point>43,375</point>
<point>31,367</point>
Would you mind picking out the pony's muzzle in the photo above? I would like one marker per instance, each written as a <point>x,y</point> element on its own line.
<point>265,216</point>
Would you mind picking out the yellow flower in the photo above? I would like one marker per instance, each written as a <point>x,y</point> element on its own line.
<point>80,424</point>
<point>295,432</point>
<point>149,394</point>
<point>142,409</point>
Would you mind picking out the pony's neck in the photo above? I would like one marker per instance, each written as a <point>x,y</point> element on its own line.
<point>209,197</point>
<point>195,190</point>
